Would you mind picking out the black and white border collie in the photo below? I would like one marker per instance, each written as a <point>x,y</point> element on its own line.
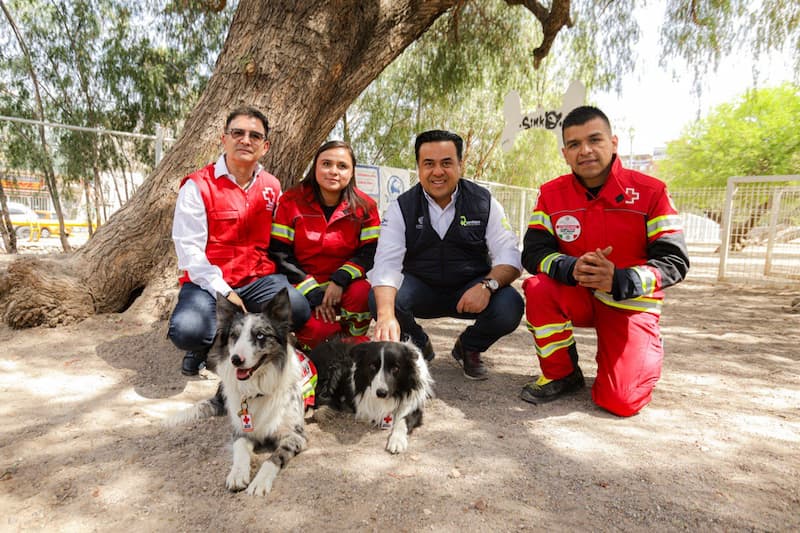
<point>384,383</point>
<point>260,381</point>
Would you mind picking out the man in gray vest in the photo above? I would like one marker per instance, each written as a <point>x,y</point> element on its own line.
<point>446,249</point>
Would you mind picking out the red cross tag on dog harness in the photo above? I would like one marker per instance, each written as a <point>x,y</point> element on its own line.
<point>247,420</point>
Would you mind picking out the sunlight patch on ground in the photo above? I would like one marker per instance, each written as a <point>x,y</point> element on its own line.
<point>578,435</point>
<point>680,380</point>
<point>765,389</point>
<point>371,467</point>
<point>122,488</point>
<point>767,426</point>
<point>162,408</point>
<point>569,433</point>
<point>740,338</point>
<point>775,398</point>
<point>66,388</point>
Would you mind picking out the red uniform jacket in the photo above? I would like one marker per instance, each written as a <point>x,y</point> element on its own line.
<point>314,250</point>
<point>238,224</point>
<point>632,212</point>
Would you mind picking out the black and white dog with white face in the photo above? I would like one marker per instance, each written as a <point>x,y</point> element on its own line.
<point>260,380</point>
<point>381,382</point>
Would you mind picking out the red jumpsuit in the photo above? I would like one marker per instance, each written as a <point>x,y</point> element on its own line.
<point>633,213</point>
<point>313,252</point>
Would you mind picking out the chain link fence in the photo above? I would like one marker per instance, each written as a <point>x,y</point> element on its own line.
<point>763,237</point>
<point>125,159</point>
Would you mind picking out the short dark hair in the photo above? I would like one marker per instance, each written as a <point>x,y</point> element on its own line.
<point>247,111</point>
<point>436,136</point>
<point>582,115</point>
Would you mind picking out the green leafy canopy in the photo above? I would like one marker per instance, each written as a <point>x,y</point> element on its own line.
<point>757,134</point>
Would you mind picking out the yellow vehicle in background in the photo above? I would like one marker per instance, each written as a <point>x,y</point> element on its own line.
<point>23,219</point>
<point>48,224</point>
<point>31,225</point>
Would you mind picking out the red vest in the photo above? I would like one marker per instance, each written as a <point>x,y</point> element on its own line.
<point>239,224</point>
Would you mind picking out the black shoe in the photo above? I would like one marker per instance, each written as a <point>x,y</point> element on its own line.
<point>470,361</point>
<point>192,363</point>
<point>427,352</point>
<point>545,390</point>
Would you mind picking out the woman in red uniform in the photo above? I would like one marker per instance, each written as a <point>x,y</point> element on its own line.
<point>324,235</point>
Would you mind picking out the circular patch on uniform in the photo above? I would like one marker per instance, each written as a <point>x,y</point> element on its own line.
<point>568,228</point>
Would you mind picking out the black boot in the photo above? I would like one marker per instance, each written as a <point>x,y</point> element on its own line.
<point>193,362</point>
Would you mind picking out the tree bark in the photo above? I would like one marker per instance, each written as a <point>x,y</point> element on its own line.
<point>302,62</point>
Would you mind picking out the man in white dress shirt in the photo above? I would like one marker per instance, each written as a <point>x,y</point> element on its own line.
<point>221,232</point>
<point>446,249</point>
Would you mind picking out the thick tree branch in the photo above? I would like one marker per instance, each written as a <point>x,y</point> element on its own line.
<point>552,21</point>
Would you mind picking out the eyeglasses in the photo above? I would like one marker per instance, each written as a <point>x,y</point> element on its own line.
<point>238,133</point>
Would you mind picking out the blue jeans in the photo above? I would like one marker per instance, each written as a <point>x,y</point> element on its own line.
<point>193,324</point>
<point>415,298</point>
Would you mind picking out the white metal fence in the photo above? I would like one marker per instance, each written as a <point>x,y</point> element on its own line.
<point>119,175</point>
<point>761,229</point>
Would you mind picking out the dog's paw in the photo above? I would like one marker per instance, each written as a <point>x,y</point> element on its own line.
<point>238,479</point>
<point>324,414</point>
<point>398,442</point>
<point>258,488</point>
<point>262,483</point>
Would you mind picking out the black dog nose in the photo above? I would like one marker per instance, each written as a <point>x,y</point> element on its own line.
<point>381,393</point>
<point>236,360</point>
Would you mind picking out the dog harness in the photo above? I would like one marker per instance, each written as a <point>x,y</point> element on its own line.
<point>308,380</point>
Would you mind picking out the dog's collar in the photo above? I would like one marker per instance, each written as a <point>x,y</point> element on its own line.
<point>245,398</point>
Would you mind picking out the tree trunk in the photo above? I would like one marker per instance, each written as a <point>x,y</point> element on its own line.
<point>87,195</point>
<point>6,227</point>
<point>302,63</point>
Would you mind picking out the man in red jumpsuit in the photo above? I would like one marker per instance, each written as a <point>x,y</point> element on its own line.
<point>602,242</point>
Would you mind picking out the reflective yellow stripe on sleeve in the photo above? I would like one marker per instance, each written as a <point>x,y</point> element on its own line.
<point>307,285</point>
<point>351,270</point>
<point>282,232</point>
<point>540,218</point>
<point>647,280</point>
<point>370,233</point>
<point>663,224</point>
<point>547,262</point>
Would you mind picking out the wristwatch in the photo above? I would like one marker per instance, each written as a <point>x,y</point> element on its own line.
<point>491,284</point>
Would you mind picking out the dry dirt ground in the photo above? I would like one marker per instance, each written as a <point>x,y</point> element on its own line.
<point>82,447</point>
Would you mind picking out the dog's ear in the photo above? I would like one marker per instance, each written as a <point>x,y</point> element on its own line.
<point>226,311</point>
<point>410,351</point>
<point>279,308</point>
<point>356,351</point>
